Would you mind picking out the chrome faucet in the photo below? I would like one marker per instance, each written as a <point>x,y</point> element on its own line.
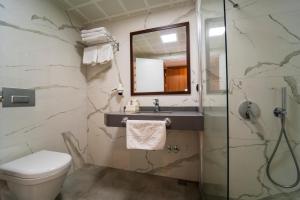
<point>156,105</point>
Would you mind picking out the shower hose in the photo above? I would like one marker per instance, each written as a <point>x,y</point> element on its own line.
<point>282,115</point>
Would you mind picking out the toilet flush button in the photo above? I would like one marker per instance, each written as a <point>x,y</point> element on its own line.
<point>20,99</point>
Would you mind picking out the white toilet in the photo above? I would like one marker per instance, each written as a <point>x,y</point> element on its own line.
<point>38,176</point>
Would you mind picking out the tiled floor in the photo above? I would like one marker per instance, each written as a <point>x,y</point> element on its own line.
<point>96,183</point>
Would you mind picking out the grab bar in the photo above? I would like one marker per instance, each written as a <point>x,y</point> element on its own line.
<point>167,120</point>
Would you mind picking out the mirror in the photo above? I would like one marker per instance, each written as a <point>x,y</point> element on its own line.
<point>215,56</point>
<point>160,60</point>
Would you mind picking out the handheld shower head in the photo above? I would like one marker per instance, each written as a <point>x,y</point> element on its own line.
<point>284,98</point>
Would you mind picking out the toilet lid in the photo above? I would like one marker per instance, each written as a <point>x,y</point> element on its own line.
<point>37,165</point>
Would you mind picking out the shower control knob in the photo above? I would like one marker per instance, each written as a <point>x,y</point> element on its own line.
<point>249,110</point>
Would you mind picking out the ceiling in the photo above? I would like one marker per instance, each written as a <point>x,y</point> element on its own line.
<point>150,44</point>
<point>93,11</point>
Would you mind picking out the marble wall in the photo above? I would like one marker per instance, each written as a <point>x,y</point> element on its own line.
<point>107,146</point>
<point>263,56</point>
<point>38,50</point>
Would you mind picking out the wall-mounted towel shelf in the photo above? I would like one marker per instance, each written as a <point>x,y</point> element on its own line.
<point>110,39</point>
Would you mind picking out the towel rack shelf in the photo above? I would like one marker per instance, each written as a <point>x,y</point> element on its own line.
<point>167,120</point>
<point>110,39</point>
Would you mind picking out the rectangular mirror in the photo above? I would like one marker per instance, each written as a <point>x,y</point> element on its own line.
<point>215,56</point>
<point>160,60</point>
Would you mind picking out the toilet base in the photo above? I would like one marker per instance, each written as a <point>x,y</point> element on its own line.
<point>42,191</point>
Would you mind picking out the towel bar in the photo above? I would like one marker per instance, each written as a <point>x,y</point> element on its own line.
<point>167,120</point>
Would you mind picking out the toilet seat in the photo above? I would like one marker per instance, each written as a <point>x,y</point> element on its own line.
<point>37,167</point>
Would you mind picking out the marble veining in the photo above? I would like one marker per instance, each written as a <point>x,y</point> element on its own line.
<point>58,27</point>
<point>10,25</point>
<point>285,61</point>
<point>150,164</point>
<point>31,127</point>
<point>284,27</point>
<point>243,33</point>
<point>292,83</point>
<point>33,67</point>
<point>46,87</point>
<point>176,164</point>
<point>73,145</point>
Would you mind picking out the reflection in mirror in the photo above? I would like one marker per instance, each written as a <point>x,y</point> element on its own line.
<point>215,55</point>
<point>160,60</point>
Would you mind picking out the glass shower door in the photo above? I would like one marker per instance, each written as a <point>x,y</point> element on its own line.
<point>214,100</point>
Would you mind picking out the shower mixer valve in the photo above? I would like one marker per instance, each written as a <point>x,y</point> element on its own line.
<point>249,111</point>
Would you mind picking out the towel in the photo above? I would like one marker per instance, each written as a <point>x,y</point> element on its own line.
<point>105,54</point>
<point>87,35</point>
<point>95,39</point>
<point>100,54</point>
<point>90,55</point>
<point>145,134</point>
<point>100,29</point>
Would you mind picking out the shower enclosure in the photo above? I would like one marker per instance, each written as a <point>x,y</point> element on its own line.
<point>263,48</point>
<point>263,67</point>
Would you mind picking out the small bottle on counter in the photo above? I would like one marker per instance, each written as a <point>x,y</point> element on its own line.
<point>132,106</point>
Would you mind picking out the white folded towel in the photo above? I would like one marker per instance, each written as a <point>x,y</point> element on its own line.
<point>145,134</point>
<point>95,39</point>
<point>87,35</point>
<point>90,55</point>
<point>100,29</point>
<point>100,54</point>
<point>105,54</point>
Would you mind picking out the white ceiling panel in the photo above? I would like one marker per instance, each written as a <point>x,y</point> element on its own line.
<point>157,2</point>
<point>93,11</point>
<point>77,2</point>
<point>62,4</point>
<point>134,4</point>
<point>78,17</point>
<point>111,7</point>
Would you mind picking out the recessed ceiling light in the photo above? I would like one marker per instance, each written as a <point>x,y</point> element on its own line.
<point>168,38</point>
<point>217,31</point>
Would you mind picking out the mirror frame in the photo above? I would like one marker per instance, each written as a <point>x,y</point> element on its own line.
<point>184,24</point>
